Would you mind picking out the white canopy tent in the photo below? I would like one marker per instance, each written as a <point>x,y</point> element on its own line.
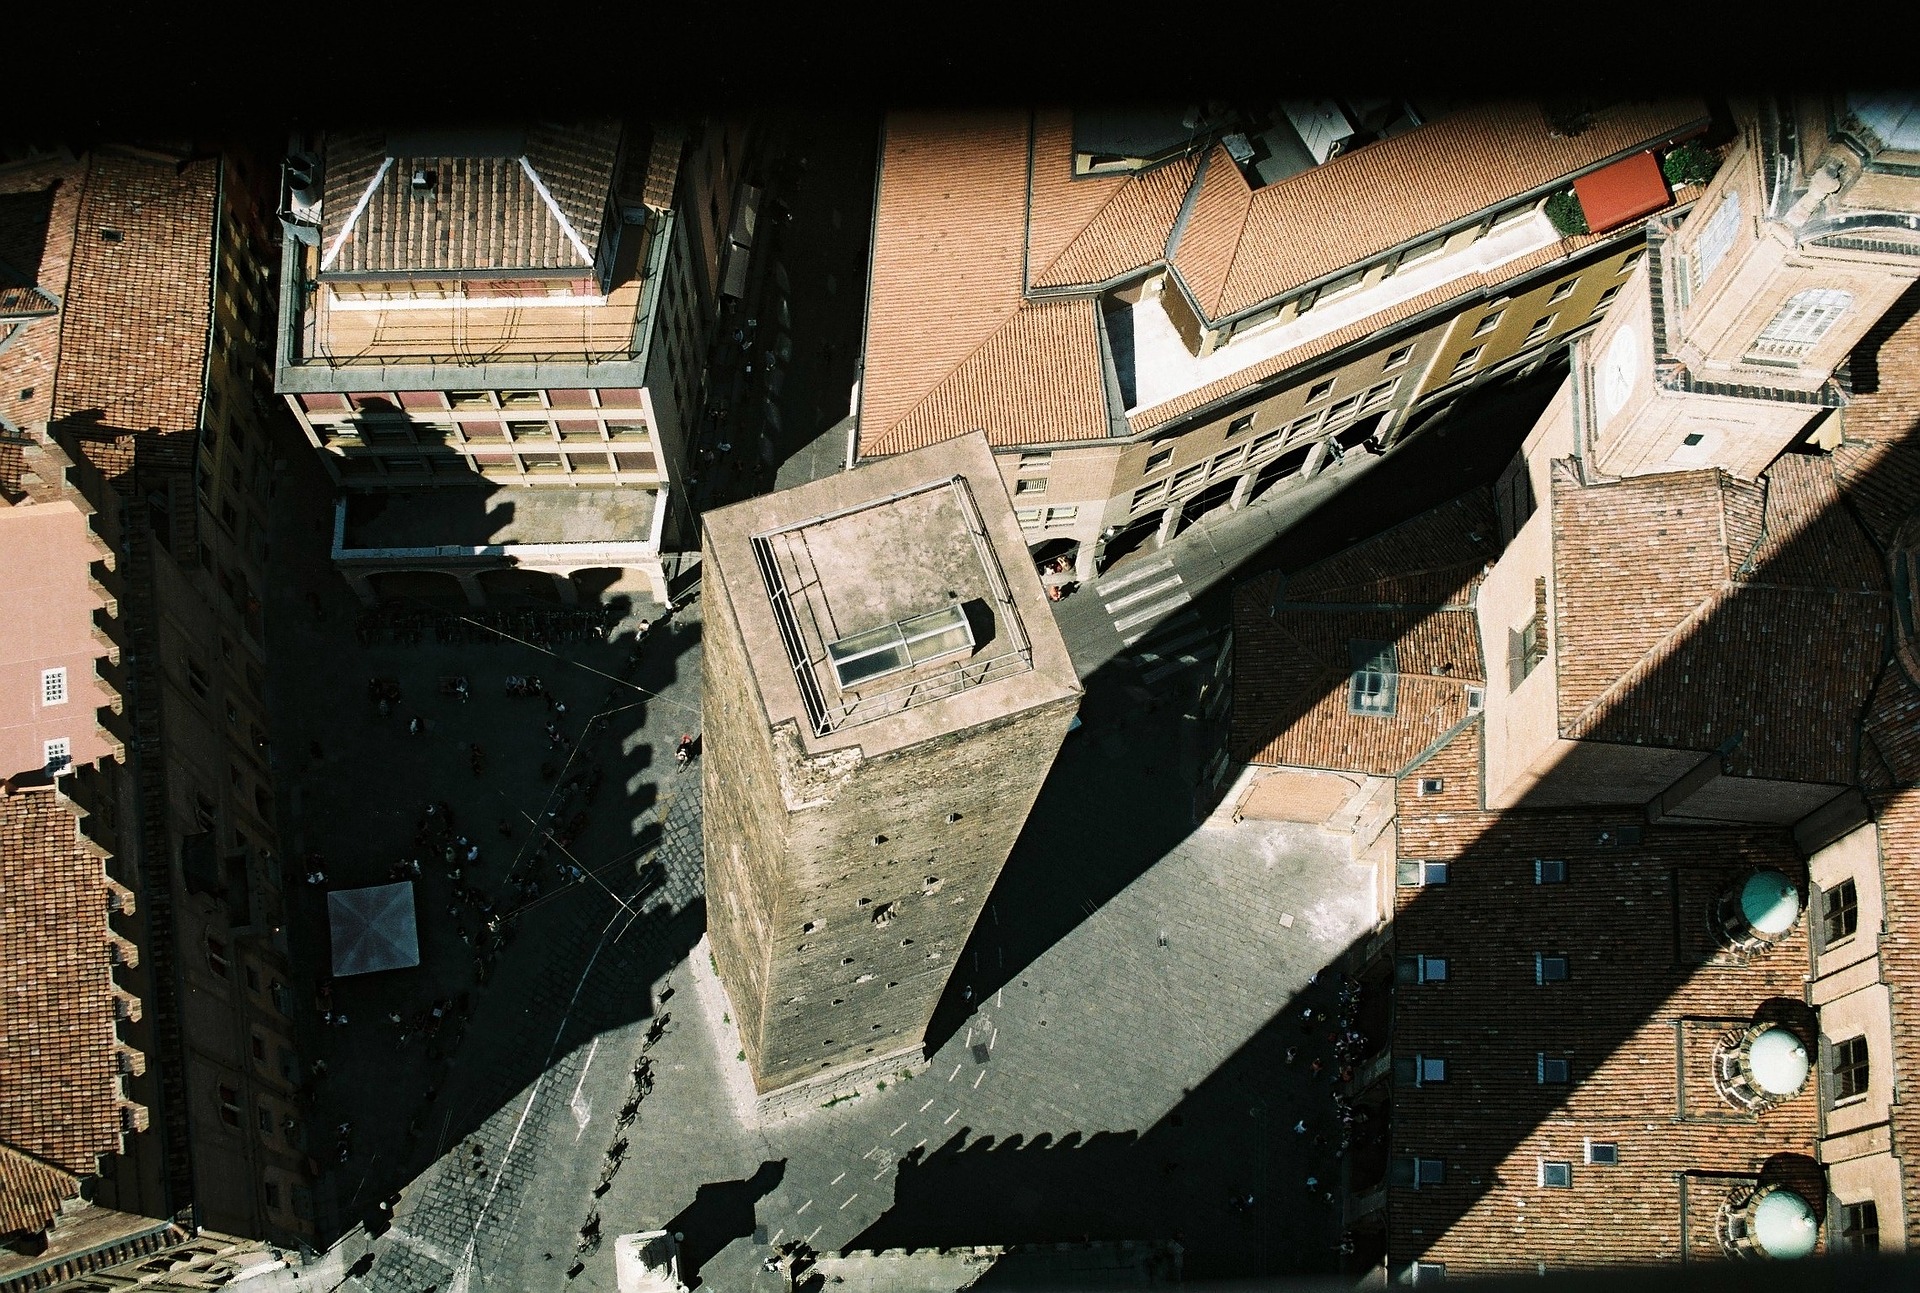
<point>373,929</point>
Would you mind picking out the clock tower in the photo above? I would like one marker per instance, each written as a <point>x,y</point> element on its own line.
<point>1726,348</point>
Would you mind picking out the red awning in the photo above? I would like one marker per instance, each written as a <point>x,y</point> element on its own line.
<point>1627,190</point>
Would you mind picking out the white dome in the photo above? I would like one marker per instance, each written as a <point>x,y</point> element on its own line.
<point>1779,1062</point>
<point>1770,903</point>
<point>1783,1225</point>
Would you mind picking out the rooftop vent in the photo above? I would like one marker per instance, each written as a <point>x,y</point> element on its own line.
<point>424,182</point>
<point>900,645</point>
<point>1759,1067</point>
<point>1756,912</point>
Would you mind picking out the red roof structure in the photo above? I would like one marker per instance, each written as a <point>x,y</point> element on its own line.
<point>1627,190</point>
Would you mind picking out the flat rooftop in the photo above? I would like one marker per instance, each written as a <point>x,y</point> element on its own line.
<point>496,516</point>
<point>895,600</point>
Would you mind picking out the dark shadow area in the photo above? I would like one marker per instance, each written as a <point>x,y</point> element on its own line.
<point>720,1213</point>
<point>24,219</point>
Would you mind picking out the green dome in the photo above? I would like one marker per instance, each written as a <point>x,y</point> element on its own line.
<point>1779,1062</point>
<point>1783,1225</point>
<point>1770,903</point>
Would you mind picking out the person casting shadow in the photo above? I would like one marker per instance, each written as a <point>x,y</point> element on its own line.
<point>720,1213</point>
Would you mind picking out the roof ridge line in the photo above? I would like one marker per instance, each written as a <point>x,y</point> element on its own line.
<point>1239,243</point>
<point>1687,621</point>
<point>359,208</point>
<point>1031,277</point>
<point>1020,304</point>
<point>566,225</point>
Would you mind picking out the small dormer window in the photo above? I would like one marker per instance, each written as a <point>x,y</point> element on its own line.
<point>1556,1175</point>
<point>1549,969</point>
<point>1603,1153</point>
<point>1551,1070</point>
<point>1375,679</point>
<point>1549,871</point>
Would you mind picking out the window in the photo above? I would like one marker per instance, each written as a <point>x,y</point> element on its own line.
<point>1540,328</point>
<point>1476,699</point>
<point>1432,785</point>
<point>1527,645</point>
<point>471,399</point>
<point>259,1048</point>
<point>1306,423</point>
<point>1187,476</point>
<point>1602,1153</point>
<point>1839,911</point>
<point>1345,408</point>
<point>229,1106</point>
<point>1148,494</point>
<point>1418,1172</point>
<point>1427,1273</point>
<point>1556,1176</point>
<point>1415,874</point>
<point>1465,362</point>
<point>1419,1070</point>
<point>263,1117</point>
<point>1801,323</point>
<point>1062,515</point>
<point>1716,239</point>
<point>1421,969</point>
<point>53,686</point>
<point>1488,322</point>
<point>1549,969</point>
<point>1860,1227</point>
<point>1420,251</point>
<point>1606,298</point>
<point>1551,1071</point>
<point>273,1195</point>
<point>217,957</point>
<point>1562,291</point>
<point>1511,214</point>
<point>900,645</point>
<point>1850,1071</point>
<point>1242,423</point>
<point>197,678</point>
<point>1549,871</point>
<point>1156,460</point>
<point>1375,679</point>
<point>1036,461</point>
<point>1397,358</point>
<point>1029,516</point>
<point>1632,259</point>
<point>1320,390</point>
<point>1262,443</point>
<point>1226,461</point>
<point>1380,394</point>
<point>59,752</point>
<point>1030,485</point>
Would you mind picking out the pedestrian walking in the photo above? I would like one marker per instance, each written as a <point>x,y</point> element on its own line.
<point>1300,1128</point>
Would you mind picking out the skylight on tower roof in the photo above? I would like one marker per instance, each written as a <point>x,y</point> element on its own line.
<point>900,645</point>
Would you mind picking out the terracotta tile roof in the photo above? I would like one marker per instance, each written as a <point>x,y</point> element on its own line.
<point>60,1094</point>
<point>1893,729</point>
<point>31,1191</point>
<point>1130,230</point>
<point>1060,204</point>
<point>1395,190</point>
<point>39,203</point>
<point>1412,586</point>
<point>1674,627</point>
<point>488,210</point>
<point>951,212</point>
<point>1208,245</point>
<point>133,334</point>
<point>663,166</point>
<point>1898,818</point>
<point>1646,1000</point>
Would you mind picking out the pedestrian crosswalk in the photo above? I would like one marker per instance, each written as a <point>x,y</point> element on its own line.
<point>1142,603</point>
<point>1142,595</point>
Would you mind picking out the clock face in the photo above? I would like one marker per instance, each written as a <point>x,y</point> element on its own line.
<point>1618,371</point>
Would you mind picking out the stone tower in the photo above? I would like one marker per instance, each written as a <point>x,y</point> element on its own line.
<point>1726,348</point>
<point>885,691</point>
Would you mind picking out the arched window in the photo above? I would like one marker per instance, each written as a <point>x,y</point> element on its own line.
<point>1801,323</point>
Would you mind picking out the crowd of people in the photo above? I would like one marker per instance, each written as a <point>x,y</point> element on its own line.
<point>1334,1045</point>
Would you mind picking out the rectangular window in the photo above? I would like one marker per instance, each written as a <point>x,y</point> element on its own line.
<point>229,1106</point>
<point>1556,1176</point>
<point>1549,969</point>
<point>1062,515</point>
<point>263,1116</point>
<point>1156,460</point>
<point>197,678</point>
<point>1420,1070</point>
<point>1374,682</point>
<point>1320,390</point>
<point>1224,463</point>
<point>1345,283</point>
<point>1240,424</point>
<point>1036,461</point>
<point>58,752</point>
<point>1716,239</point>
<point>260,1048</point>
<point>1148,494</point>
<point>1421,969</point>
<point>1800,324</point>
<point>1265,442</point>
<point>53,686</point>
<point>1030,485</point>
<point>1432,785</point>
<point>471,399</point>
<point>1540,328</point>
<point>1305,424</point>
<point>1562,291</point>
<point>1850,1071</point>
<point>1420,1171</point>
<point>1427,1273</point>
<point>1527,645</point>
<point>1606,298</point>
<point>1488,322</point>
<point>1187,476</point>
<point>1549,871</point>
<point>1860,1227</point>
<point>272,1189</point>
<point>1551,1071</point>
<point>1345,408</point>
<point>1511,214</point>
<point>1839,911</point>
<point>1397,358</point>
<point>1380,394</point>
<point>1465,362</point>
<point>217,957</point>
<point>1414,873</point>
<point>1029,516</point>
<point>1602,1153</point>
<point>1632,259</point>
<point>1420,251</point>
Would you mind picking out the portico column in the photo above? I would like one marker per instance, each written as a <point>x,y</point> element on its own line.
<point>569,591</point>
<point>657,581</point>
<point>1242,491</point>
<point>470,585</point>
<point>1169,523</point>
<point>1083,561</point>
<point>362,587</point>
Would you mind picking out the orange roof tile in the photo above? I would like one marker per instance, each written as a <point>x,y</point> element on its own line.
<point>1060,204</point>
<point>60,1095</point>
<point>1129,232</point>
<point>1205,252</point>
<point>39,203</point>
<point>31,1192</point>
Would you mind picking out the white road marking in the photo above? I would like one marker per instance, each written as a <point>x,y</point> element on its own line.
<point>1179,621</point>
<point>1153,612</point>
<point>950,1117</point>
<point>1142,594</point>
<point>956,1073</point>
<point>926,1106</point>
<point>977,1077</point>
<point>850,1199</point>
<point>836,1180</point>
<point>1000,997</point>
<point>902,1127</point>
<point>991,1040</point>
<point>920,1144</point>
<point>1184,662</point>
<point>1135,575</point>
<point>803,1207</point>
<point>581,1106</point>
<point>1162,650</point>
<point>816,1230</point>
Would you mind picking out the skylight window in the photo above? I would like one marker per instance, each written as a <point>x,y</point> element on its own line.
<point>901,645</point>
<point>1376,676</point>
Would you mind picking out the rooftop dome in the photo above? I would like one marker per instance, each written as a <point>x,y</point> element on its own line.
<point>1783,1225</point>
<point>1770,903</point>
<point>1779,1062</point>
